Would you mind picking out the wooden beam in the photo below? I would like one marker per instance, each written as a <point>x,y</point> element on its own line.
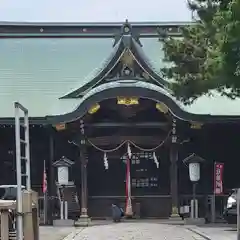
<point>128,125</point>
<point>87,30</point>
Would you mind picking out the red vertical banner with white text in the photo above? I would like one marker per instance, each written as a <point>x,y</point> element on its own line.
<point>218,178</point>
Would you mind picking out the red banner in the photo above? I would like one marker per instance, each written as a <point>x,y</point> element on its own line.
<point>218,178</point>
<point>44,186</point>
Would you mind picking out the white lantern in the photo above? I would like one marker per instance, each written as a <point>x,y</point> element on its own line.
<point>63,175</point>
<point>194,172</point>
<point>193,162</point>
<point>63,170</point>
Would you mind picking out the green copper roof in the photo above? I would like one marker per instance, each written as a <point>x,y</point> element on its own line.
<point>38,71</point>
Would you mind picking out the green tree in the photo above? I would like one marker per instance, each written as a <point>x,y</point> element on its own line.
<point>198,59</point>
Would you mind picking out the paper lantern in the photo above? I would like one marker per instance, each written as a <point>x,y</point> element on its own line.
<point>63,175</point>
<point>194,172</point>
<point>193,162</point>
<point>62,166</point>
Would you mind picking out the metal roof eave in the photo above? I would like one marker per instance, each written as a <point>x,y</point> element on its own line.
<point>141,89</point>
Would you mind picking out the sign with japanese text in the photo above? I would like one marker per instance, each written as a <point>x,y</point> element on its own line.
<point>218,178</point>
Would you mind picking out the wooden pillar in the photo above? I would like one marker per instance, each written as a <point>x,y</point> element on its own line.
<point>174,172</point>
<point>84,219</point>
<point>84,196</point>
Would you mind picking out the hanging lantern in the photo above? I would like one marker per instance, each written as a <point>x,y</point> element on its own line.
<point>105,161</point>
<point>129,151</point>
<point>155,159</point>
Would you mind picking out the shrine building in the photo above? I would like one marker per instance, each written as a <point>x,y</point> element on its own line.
<point>95,92</point>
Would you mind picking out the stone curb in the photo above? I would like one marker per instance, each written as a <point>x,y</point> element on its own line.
<point>73,234</point>
<point>199,233</point>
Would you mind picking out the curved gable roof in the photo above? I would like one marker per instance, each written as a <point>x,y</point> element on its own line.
<point>123,41</point>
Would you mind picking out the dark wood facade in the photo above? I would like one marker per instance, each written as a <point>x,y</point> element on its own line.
<point>213,142</point>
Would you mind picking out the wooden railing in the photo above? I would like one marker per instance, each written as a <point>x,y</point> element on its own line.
<point>30,217</point>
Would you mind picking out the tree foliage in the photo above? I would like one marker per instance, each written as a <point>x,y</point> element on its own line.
<point>207,56</point>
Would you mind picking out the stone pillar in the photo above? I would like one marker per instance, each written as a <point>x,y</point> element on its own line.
<point>174,172</point>
<point>84,219</point>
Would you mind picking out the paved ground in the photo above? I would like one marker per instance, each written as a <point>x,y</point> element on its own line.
<point>136,231</point>
<point>54,233</point>
<point>216,232</point>
<point>139,231</point>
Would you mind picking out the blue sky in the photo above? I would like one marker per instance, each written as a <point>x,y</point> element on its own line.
<point>94,10</point>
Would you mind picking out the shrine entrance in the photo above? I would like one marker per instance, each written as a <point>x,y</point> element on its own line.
<point>121,130</point>
<point>105,126</point>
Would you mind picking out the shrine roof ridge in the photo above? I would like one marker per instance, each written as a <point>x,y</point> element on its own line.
<point>81,29</point>
<point>99,24</point>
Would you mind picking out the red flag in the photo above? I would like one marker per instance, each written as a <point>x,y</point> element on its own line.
<point>44,187</point>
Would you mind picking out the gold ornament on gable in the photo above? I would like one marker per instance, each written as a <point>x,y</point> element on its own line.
<point>196,125</point>
<point>162,107</point>
<point>128,101</point>
<point>60,126</point>
<point>127,58</point>
<point>94,108</point>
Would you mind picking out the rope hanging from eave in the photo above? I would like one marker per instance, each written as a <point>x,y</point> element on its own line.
<point>132,143</point>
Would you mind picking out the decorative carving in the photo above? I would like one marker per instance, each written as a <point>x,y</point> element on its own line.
<point>82,127</point>
<point>145,75</point>
<point>196,125</point>
<point>60,126</point>
<point>162,107</point>
<point>94,108</point>
<point>174,131</point>
<point>126,28</point>
<point>128,101</point>
<point>127,58</point>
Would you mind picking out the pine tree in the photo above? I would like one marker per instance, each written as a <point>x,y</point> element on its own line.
<point>196,59</point>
